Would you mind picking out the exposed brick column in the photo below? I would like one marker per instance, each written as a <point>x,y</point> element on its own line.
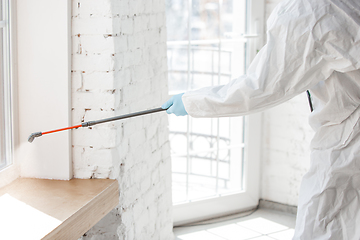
<point>119,66</point>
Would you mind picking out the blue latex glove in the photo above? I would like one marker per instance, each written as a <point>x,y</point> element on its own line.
<point>175,105</point>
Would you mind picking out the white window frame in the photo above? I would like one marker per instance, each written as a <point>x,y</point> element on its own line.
<point>11,171</point>
<point>6,98</point>
<point>203,209</point>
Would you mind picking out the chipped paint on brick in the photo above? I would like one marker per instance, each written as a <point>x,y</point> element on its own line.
<point>118,67</point>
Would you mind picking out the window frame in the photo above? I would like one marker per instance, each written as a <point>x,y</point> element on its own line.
<point>230,203</point>
<point>6,78</point>
<point>202,209</point>
<point>11,171</point>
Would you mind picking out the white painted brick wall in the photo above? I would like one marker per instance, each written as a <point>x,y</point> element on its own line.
<point>286,140</point>
<point>118,67</point>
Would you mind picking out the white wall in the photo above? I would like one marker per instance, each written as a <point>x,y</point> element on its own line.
<point>43,84</point>
<point>119,66</point>
<point>286,152</point>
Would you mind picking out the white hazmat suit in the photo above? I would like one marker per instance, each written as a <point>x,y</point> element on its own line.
<point>315,45</point>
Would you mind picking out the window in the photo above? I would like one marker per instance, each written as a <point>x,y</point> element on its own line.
<point>212,163</point>
<point>209,44</point>
<point>5,87</point>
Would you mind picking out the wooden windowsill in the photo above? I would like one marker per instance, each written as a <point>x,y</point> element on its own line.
<point>54,209</point>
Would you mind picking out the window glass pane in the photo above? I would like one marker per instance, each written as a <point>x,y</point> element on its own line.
<point>205,19</point>
<point>5,128</point>
<point>177,13</point>
<point>2,132</point>
<point>178,62</point>
<point>205,48</point>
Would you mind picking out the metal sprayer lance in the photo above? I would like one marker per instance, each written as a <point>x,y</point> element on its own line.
<point>92,123</point>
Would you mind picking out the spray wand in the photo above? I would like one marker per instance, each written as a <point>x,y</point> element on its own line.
<point>92,123</point>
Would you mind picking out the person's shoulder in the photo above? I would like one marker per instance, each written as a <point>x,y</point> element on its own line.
<point>299,11</point>
<point>315,11</point>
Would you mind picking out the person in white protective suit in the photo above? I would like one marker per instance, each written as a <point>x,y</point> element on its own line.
<point>315,45</point>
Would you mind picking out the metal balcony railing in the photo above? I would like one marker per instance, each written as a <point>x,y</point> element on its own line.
<point>209,153</point>
<point>181,61</point>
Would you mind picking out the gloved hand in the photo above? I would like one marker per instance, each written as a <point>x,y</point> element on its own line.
<point>175,105</point>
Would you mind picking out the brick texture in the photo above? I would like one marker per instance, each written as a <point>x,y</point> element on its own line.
<point>118,67</point>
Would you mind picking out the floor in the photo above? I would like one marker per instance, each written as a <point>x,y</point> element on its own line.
<point>262,224</point>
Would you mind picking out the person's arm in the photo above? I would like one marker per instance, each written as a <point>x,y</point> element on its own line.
<point>305,44</point>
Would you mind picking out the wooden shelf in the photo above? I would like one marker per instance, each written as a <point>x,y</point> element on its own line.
<point>54,209</point>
